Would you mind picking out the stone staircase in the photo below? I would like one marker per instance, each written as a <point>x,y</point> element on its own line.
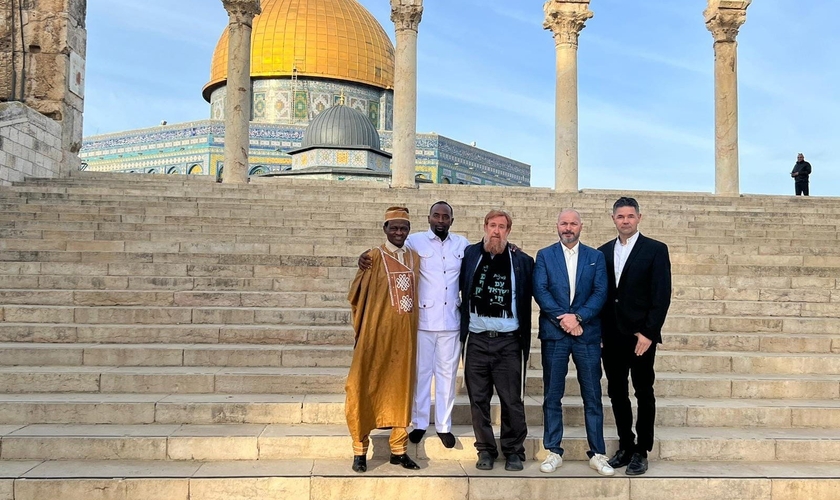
<point>174,338</point>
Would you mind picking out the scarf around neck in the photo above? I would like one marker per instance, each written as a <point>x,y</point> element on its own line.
<point>492,294</point>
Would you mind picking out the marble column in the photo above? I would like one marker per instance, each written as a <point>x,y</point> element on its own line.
<point>723,19</point>
<point>565,19</point>
<point>406,15</point>
<point>238,100</point>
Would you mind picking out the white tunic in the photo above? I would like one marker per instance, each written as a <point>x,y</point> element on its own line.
<point>440,267</point>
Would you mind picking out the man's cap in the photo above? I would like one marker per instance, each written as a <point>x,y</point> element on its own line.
<point>396,213</point>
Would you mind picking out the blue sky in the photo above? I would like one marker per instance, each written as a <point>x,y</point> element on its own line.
<point>486,74</point>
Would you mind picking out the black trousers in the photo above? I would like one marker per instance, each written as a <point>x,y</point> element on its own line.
<point>496,362</point>
<point>620,361</point>
<point>801,187</point>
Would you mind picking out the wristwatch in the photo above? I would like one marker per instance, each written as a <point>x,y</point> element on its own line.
<point>578,318</point>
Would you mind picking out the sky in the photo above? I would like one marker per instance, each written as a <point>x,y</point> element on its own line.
<point>486,73</point>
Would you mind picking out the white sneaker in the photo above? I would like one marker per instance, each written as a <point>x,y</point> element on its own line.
<point>600,463</point>
<point>551,462</point>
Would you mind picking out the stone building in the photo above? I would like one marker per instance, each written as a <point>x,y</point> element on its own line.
<point>306,56</point>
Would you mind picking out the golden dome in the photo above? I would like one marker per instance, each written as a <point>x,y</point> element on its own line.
<point>336,39</point>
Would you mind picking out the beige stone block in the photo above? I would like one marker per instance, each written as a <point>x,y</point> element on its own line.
<point>760,281</point>
<point>102,489</point>
<point>821,310</point>
<point>677,323</point>
<point>560,488</point>
<point>699,307</point>
<point>795,344</point>
<point>810,489</point>
<point>784,389</point>
<point>175,412</point>
<point>207,299</point>
<point>706,416</point>
<point>40,297</point>
<point>710,342</point>
<point>329,410</point>
<point>128,315</point>
<point>745,325</point>
<point>7,489</point>
<point>49,381</point>
<point>133,356</point>
<point>220,271</point>
<point>395,488</point>
<point>323,447</point>
<point>222,316</point>
<point>264,488</point>
<point>37,314</point>
<point>139,334</point>
<point>212,448</point>
<point>701,489</point>
<point>117,382</point>
<point>811,282</point>
<point>815,417</point>
<point>828,450</point>
<point>794,295</point>
<point>743,308</point>
<point>64,268</point>
<point>736,294</point>
<point>277,299</point>
<point>787,364</point>
<point>302,316</point>
<point>84,448</point>
<point>248,334</point>
<point>140,269</point>
<point>694,388</point>
<point>35,355</point>
<point>723,449</point>
<point>683,362</point>
<point>159,283</point>
<point>766,260</point>
<point>811,325</point>
<point>326,356</point>
<point>24,412</point>
<point>289,383</point>
<point>122,298</point>
<point>95,246</point>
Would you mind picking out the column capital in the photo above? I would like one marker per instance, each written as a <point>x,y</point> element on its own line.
<point>242,11</point>
<point>725,17</point>
<point>565,19</point>
<point>406,14</point>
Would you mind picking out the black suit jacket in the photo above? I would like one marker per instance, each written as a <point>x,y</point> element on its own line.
<point>523,272</point>
<point>640,302</point>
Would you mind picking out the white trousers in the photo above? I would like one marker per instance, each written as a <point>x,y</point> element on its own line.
<point>438,354</point>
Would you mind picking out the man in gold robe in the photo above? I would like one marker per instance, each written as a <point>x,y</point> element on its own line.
<point>379,386</point>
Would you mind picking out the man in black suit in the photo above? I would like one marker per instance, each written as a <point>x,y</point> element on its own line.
<point>800,173</point>
<point>496,288</point>
<point>638,297</point>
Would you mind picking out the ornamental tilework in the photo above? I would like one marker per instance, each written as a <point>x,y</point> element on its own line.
<point>319,103</point>
<point>259,105</point>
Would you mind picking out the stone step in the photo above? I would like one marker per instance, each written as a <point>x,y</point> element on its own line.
<point>206,409</point>
<point>171,298</point>
<point>177,334</point>
<point>141,315</point>
<point>251,355</point>
<point>330,380</point>
<point>437,480</point>
<point>280,441</point>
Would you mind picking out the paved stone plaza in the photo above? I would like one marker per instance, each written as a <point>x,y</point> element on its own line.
<point>191,339</point>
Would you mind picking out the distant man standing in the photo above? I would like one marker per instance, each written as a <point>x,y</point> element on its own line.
<point>496,290</point>
<point>800,173</point>
<point>570,286</point>
<point>638,298</point>
<point>379,386</point>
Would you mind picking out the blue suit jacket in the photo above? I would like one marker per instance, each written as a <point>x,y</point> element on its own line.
<point>551,291</point>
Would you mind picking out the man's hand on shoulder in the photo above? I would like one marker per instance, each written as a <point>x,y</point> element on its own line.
<point>365,261</point>
<point>642,344</point>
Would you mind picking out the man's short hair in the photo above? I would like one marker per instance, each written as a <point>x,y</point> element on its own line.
<point>492,214</point>
<point>626,201</point>
<point>441,202</point>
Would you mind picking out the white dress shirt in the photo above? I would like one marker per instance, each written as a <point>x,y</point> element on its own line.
<point>399,252</point>
<point>620,254</point>
<point>440,267</point>
<point>571,255</point>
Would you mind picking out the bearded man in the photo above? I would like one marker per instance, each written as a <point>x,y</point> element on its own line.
<point>495,286</point>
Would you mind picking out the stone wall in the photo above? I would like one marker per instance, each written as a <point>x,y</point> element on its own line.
<point>30,144</point>
<point>46,39</point>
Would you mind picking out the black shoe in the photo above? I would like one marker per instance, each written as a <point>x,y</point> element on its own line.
<point>404,460</point>
<point>360,463</point>
<point>416,435</point>
<point>485,461</point>
<point>638,465</point>
<point>620,459</point>
<point>513,462</point>
<point>447,439</point>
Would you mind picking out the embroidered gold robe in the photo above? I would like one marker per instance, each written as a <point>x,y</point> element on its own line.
<point>379,386</point>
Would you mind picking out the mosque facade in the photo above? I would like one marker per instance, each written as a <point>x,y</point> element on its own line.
<point>307,56</point>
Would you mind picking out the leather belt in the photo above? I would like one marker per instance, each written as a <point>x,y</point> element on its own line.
<point>494,334</point>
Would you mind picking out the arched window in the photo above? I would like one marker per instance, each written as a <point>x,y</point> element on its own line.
<point>258,170</point>
<point>172,170</point>
<point>195,170</point>
<point>445,180</point>
<point>151,171</point>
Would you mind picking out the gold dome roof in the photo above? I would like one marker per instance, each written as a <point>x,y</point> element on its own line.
<point>336,39</point>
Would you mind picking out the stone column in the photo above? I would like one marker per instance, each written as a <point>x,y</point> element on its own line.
<point>406,15</point>
<point>238,100</point>
<point>565,19</point>
<point>723,19</point>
